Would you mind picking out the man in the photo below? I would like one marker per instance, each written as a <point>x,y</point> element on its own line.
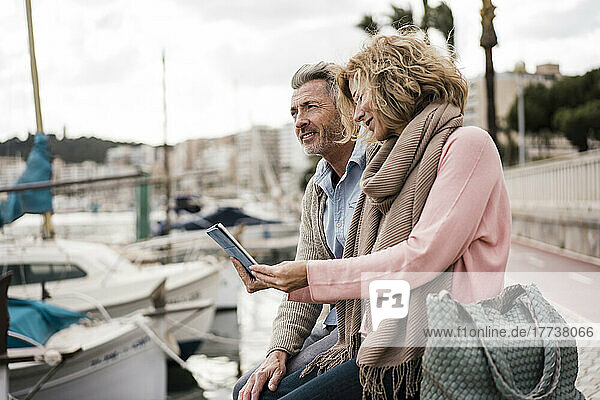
<point>327,208</point>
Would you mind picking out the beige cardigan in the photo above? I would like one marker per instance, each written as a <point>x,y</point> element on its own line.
<point>295,320</point>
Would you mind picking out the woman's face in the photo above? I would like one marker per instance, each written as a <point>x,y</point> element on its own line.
<point>363,112</point>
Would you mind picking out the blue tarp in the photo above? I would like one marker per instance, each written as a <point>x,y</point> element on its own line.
<point>37,320</point>
<point>39,169</point>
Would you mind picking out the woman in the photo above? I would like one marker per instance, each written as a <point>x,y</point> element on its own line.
<point>433,200</point>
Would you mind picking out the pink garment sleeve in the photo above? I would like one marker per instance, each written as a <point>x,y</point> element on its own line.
<point>302,295</point>
<point>467,173</point>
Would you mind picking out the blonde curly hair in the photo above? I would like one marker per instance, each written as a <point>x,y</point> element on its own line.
<point>402,74</point>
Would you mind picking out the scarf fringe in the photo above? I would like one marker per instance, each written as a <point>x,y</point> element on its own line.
<point>333,357</point>
<point>409,373</point>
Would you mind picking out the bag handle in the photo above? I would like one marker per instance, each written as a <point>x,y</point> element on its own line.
<point>551,369</point>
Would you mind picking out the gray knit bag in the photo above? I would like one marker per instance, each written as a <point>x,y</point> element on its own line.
<point>540,369</point>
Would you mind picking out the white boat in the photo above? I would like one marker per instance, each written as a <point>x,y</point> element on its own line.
<point>80,275</point>
<point>123,358</point>
<point>110,360</point>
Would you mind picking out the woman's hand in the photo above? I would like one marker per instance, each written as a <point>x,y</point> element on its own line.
<point>286,276</point>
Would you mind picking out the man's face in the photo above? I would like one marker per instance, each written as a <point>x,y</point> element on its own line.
<point>317,120</point>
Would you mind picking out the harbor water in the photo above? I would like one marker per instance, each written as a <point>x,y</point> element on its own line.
<point>218,362</point>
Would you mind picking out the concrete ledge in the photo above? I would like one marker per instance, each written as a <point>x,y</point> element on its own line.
<point>576,231</point>
<point>556,250</point>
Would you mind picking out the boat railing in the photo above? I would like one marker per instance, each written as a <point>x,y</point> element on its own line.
<point>89,299</point>
<point>26,339</point>
<point>183,247</point>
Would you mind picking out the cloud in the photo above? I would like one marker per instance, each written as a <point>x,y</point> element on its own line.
<point>229,62</point>
<point>254,64</point>
<point>548,20</point>
<point>265,14</point>
<point>111,69</point>
<point>112,20</point>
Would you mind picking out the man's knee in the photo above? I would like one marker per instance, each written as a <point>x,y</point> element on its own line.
<point>237,387</point>
<point>321,339</point>
<point>307,354</point>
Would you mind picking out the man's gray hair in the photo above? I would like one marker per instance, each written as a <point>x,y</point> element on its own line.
<point>321,70</point>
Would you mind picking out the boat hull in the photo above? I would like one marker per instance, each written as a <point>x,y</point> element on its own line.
<point>129,366</point>
<point>187,327</point>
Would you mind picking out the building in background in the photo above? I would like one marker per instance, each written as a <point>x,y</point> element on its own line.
<point>204,165</point>
<point>258,160</point>
<point>292,159</point>
<point>101,196</point>
<point>141,155</point>
<point>261,162</point>
<point>506,89</point>
<point>12,168</point>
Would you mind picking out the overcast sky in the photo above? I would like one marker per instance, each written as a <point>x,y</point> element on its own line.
<point>229,62</point>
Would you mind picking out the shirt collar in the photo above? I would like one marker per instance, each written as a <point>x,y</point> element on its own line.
<point>324,169</point>
<point>359,154</point>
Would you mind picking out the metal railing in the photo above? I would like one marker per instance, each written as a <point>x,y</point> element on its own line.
<point>570,182</point>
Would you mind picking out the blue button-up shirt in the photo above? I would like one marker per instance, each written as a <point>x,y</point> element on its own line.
<point>340,203</point>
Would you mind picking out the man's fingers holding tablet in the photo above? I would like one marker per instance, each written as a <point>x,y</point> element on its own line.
<point>252,285</point>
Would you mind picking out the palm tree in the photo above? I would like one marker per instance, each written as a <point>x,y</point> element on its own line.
<point>439,18</point>
<point>369,25</point>
<point>443,20</point>
<point>488,41</point>
<point>400,17</point>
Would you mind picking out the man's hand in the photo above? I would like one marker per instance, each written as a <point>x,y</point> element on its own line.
<point>286,276</point>
<point>271,370</point>
<point>252,285</point>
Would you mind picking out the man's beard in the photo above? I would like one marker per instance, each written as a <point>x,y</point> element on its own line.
<point>328,139</point>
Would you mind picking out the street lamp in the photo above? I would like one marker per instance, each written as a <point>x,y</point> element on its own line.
<point>521,118</point>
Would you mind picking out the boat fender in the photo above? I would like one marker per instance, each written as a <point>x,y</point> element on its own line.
<point>51,357</point>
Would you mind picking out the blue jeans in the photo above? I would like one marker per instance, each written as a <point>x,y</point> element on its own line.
<point>339,383</point>
<point>320,339</point>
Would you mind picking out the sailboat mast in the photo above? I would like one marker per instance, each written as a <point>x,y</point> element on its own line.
<point>34,72</point>
<point>47,228</point>
<point>166,150</point>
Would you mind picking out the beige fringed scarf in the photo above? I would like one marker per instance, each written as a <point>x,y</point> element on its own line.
<point>395,186</point>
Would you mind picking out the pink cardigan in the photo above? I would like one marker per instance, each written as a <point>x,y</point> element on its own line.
<point>466,220</point>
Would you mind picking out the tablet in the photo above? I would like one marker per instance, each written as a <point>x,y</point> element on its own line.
<point>225,239</point>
